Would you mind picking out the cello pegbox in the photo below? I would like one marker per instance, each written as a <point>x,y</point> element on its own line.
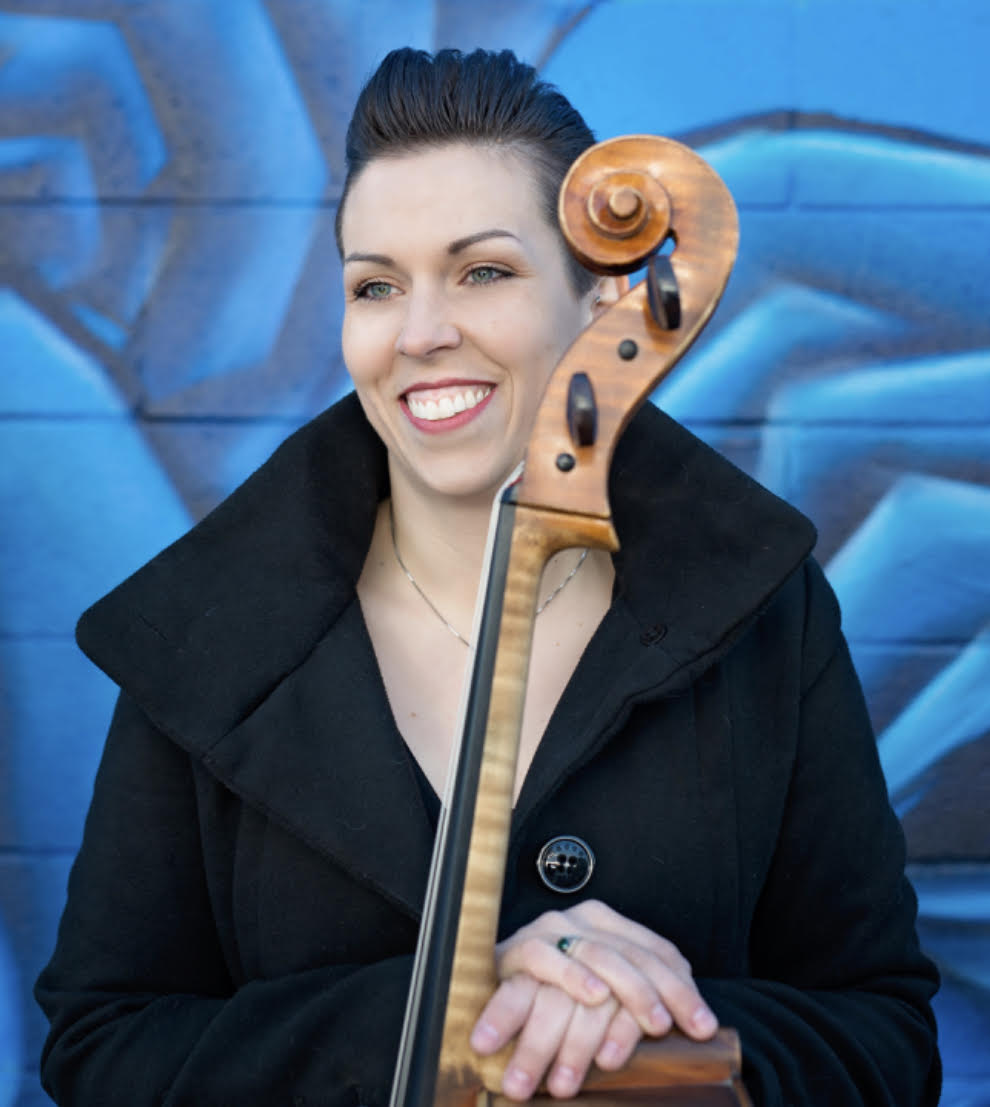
<point>620,203</point>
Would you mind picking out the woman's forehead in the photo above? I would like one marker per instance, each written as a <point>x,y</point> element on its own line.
<point>451,190</point>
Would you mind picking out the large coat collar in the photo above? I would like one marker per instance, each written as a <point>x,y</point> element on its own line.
<point>244,641</point>
<point>208,628</point>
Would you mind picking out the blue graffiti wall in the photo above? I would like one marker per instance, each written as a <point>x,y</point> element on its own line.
<point>169,310</point>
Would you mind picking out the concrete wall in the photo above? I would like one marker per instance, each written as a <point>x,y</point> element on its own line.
<point>169,309</point>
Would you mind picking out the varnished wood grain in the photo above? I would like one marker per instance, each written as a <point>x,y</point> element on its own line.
<point>701,216</point>
<point>536,537</point>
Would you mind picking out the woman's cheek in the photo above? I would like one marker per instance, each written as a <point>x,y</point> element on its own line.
<point>358,358</point>
<point>368,350</point>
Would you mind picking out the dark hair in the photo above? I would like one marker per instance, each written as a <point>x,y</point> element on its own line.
<point>416,100</point>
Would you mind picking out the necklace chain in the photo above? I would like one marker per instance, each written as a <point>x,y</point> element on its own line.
<point>432,606</point>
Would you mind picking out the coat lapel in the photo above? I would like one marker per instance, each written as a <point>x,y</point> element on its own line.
<point>323,757</point>
<point>704,549</point>
<point>244,643</point>
<point>208,628</point>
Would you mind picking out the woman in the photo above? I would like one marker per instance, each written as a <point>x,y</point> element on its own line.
<point>242,914</point>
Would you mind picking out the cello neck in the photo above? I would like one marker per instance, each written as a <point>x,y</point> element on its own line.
<point>454,971</point>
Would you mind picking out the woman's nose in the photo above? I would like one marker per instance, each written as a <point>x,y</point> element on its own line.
<point>427,326</point>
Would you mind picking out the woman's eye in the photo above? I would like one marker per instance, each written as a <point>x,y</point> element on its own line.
<point>486,274</point>
<point>373,290</point>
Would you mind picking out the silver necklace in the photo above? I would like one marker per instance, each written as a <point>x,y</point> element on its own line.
<point>430,604</point>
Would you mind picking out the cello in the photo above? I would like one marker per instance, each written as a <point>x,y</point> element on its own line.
<point>622,203</point>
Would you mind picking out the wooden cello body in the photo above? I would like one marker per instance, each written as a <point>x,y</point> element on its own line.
<point>623,202</point>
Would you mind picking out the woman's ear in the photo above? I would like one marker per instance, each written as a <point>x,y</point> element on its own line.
<point>608,291</point>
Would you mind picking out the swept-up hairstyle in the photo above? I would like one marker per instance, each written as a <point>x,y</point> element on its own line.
<point>416,100</point>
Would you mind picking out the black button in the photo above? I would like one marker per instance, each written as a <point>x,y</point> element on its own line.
<point>565,864</point>
<point>653,634</point>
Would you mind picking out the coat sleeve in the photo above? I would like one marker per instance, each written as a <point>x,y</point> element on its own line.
<point>138,992</point>
<point>836,1008</point>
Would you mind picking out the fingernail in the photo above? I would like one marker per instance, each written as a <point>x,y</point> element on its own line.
<point>516,1082</point>
<point>703,1021</point>
<point>484,1036</point>
<point>660,1018</point>
<point>609,1053</point>
<point>564,1080</point>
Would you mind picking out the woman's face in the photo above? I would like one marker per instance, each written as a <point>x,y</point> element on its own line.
<point>458,307</point>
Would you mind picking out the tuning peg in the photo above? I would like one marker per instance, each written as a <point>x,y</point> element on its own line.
<point>582,411</point>
<point>665,299</point>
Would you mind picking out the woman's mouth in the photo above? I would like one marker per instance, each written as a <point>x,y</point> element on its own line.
<point>446,407</point>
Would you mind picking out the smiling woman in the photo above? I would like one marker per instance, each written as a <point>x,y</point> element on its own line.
<point>456,286</point>
<point>243,912</point>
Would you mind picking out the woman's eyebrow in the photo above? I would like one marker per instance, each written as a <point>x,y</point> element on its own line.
<point>375,259</point>
<point>469,240</point>
<point>455,247</point>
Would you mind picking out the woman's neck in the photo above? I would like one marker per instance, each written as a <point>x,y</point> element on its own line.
<point>440,542</point>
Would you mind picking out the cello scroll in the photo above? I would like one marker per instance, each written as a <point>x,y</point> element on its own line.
<point>621,204</point>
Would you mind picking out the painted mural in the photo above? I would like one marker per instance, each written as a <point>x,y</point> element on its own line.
<point>169,171</point>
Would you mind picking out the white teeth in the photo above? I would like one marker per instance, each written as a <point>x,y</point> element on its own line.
<point>447,406</point>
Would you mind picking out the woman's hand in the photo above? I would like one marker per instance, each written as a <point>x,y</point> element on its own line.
<point>615,982</point>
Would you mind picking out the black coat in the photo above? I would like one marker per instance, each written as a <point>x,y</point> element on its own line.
<point>242,912</point>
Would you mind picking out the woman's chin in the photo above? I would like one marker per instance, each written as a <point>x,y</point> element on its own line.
<point>465,480</point>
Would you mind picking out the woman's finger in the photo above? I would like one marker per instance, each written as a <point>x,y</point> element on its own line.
<point>622,1037</point>
<point>678,994</point>
<point>585,1034</point>
<point>541,957</point>
<point>504,1014</point>
<point>655,985</point>
<point>592,915</point>
<point>624,970</point>
<point>538,1042</point>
